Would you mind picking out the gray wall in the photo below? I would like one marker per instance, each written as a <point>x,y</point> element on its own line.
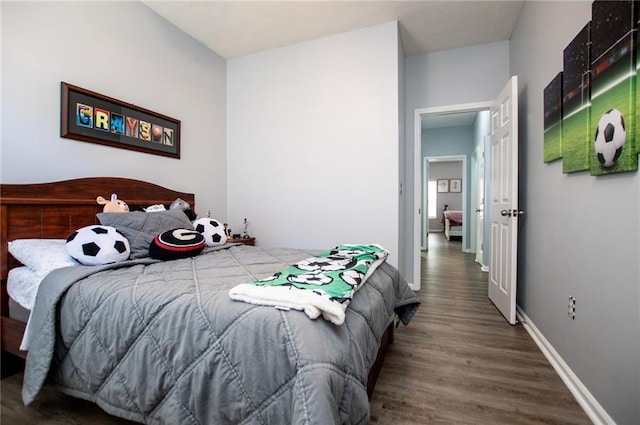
<point>122,50</point>
<point>580,235</point>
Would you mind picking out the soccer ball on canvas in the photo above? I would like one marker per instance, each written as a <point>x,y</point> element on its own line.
<point>610,138</point>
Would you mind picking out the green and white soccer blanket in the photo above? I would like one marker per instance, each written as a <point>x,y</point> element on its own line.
<point>322,285</point>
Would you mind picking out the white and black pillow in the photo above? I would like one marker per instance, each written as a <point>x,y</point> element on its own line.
<point>97,244</point>
<point>212,230</point>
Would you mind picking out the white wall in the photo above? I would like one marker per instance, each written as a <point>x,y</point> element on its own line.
<point>122,50</point>
<point>580,234</point>
<point>453,77</point>
<point>313,141</point>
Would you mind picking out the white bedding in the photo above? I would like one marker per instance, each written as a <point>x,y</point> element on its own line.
<point>450,230</point>
<point>22,286</point>
<point>40,257</point>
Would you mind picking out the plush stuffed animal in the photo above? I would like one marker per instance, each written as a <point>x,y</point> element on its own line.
<point>115,205</point>
<point>181,204</point>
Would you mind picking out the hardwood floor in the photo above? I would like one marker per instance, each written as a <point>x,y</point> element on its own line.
<point>458,362</point>
<point>51,408</point>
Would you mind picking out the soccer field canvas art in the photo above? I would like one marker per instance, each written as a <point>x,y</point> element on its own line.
<point>599,109</point>
<point>576,103</point>
<point>613,87</point>
<point>553,119</point>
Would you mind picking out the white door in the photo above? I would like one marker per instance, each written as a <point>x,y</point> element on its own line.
<point>503,201</point>
<point>479,207</point>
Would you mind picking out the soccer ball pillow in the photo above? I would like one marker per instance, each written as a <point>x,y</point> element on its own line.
<point>96,244</point>
<point>610,138</point>
<point>212,230</point>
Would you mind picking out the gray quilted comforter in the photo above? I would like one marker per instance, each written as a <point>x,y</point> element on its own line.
<point>162,343</point>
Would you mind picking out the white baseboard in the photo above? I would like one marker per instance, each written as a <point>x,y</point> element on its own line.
<point>589,404</point>
<point>482,266</point>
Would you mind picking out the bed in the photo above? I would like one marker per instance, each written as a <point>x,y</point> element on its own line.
<point>161,341</point>
<point>452,220</point>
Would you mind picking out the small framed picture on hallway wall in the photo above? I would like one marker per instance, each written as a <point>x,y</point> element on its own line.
<point>455,185</point>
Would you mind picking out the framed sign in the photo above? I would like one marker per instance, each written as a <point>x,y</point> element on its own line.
<point>95,118</point>
<point>455,185</point>
<point>443,186</point>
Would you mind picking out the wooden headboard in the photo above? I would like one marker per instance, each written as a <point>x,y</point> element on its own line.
<point>54,210</point>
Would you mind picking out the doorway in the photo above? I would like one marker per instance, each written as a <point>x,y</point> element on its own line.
<point>438,172</point>
<point>436,114</point>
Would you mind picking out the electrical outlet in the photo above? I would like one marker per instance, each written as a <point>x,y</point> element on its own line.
<point>572,308</point>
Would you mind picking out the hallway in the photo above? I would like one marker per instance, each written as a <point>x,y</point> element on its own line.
<point>460,362</point>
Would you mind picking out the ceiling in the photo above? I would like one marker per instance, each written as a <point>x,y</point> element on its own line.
<point>234,28</point>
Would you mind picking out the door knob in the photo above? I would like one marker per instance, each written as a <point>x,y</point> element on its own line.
<point>479,210</point>
<point>516,213</point>
<point>505,213</point>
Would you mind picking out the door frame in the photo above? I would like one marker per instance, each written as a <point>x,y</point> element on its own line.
<point>425,176</point>
<point>417,174</point>
<point>477,174</point>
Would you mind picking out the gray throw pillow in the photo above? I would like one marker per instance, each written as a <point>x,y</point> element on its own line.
<point>141,227</point>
